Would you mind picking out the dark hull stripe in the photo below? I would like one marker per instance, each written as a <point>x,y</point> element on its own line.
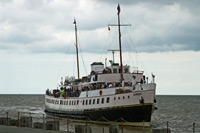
<point>129,114</point>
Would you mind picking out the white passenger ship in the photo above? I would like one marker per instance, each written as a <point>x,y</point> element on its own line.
<point>113,93</point>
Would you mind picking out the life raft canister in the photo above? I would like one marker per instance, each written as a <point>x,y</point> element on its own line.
<point>100,92</point>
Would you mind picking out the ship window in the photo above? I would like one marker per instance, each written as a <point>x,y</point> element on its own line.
<point>108,99</point>
<point>69,102</point>
<point>90,101</point>
<point>119,98</point>
<point>74,102</point>
<point>61,102</point>
<point>123,97</point>
<point>64,102</point>
<point>98,101</point>
<point>83,102</point>
<point>114,98</point>
<point>102,100</point>
<point>128,97</point>
<point>93,101</point>
<point>77,102</point>
<point>86,102</point>
<point>114,70</point>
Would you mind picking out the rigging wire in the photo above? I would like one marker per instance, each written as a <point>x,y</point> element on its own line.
<point>61,67</point>
<point>133,47</point>
<point>81,53</point>
<point>109,42</point>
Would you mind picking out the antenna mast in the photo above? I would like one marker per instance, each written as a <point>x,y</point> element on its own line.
<point>120,48</point>
<point>113,52</point>
<point>76,47</point>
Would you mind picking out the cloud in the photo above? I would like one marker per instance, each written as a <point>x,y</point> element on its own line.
<point>46,26</point>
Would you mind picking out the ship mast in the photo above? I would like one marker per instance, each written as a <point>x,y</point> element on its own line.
<point>120,48</point>
<point>76,47</point>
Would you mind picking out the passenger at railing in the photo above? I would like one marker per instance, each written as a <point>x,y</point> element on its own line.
<point>110,85</point>
<point>114,84</point>
<point>48,92</point>
<point>105,86</point>
<point>98,86</point>
<point>56,93</point>
<point>63,92</point>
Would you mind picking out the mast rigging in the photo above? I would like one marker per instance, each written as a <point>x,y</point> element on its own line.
<point>120,48</point>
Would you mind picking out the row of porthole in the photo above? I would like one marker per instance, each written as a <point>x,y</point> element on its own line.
<point>88,102</point>
<point>85,102</point>
<point>93,101</point>
<point>123,97</point>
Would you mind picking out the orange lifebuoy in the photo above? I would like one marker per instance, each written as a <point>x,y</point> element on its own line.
<point>100,92</point>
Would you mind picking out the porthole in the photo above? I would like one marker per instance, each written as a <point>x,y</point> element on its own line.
<point>93,101</point>
<point>108,99</point>
<point>90,101</point>
<point>102,100</point>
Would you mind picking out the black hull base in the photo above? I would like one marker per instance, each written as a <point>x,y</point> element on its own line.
<point>137,113</point>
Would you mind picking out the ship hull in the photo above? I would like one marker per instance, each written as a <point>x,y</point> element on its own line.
<point>136,113</point>
<point>130,108</point>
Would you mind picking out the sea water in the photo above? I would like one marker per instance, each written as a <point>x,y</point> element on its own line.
<point>179,111</point>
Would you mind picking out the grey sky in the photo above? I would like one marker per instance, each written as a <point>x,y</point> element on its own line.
<point>46,26</point>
